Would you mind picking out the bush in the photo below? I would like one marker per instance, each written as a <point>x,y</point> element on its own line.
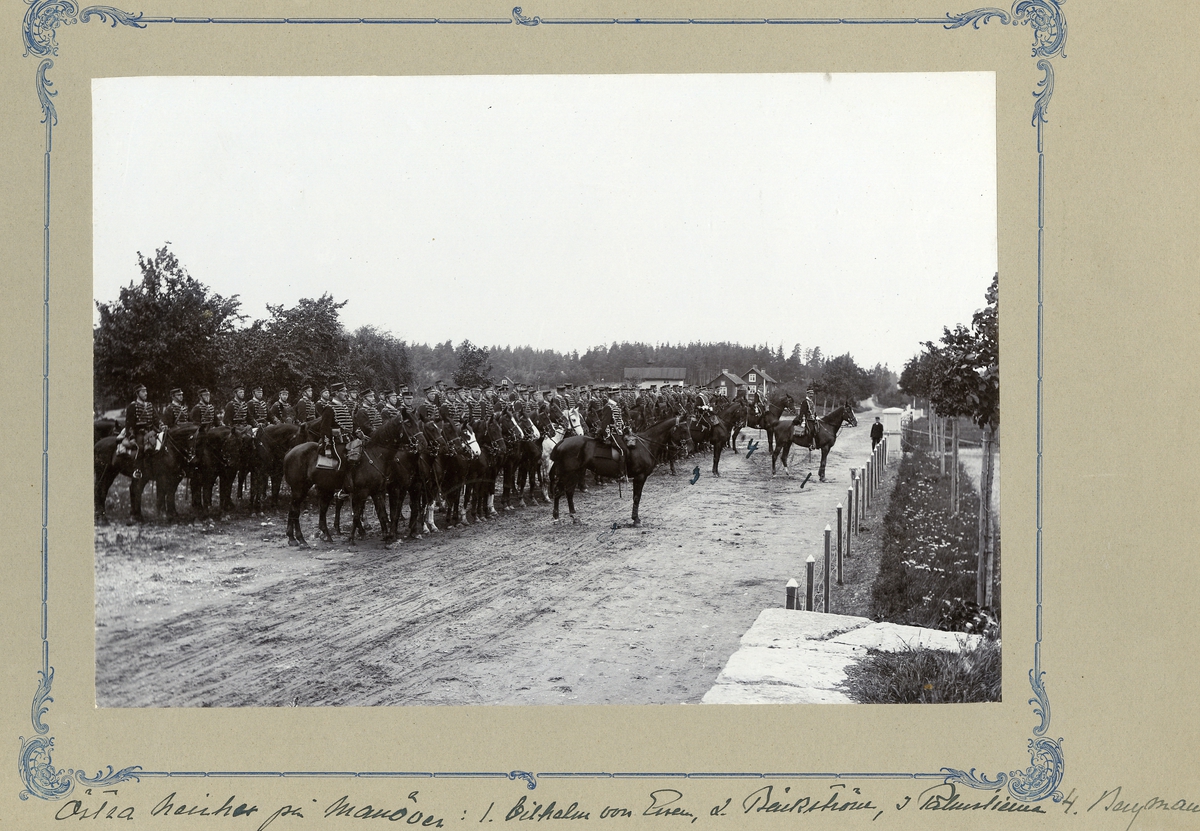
<point>927,566</point>
<point>927,676</point>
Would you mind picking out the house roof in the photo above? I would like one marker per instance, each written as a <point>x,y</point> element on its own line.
<point>737,382</point>
<point>656,373</point>
<point>764,375</point>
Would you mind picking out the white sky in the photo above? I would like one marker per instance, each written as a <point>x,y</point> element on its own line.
<point>854,212</point>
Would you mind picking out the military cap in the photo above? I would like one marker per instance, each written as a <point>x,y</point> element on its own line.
<point>337,386</point>
<point>368,392</point>
<point>256,388</point>
<point>139,387</point>
<point>238,385</point>
<point>202,391</point>
<point>430,388</point>
<point>176,391</point>
<point>306,385</point>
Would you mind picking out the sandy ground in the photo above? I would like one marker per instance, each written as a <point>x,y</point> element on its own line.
<point>515,610</point>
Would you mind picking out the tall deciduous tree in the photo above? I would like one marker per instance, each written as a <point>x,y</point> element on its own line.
<point>473,367</point>
<point>165,330</point>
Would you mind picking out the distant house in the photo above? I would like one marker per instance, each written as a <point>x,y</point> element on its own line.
<point>760,382</point>
<point>726,384</point>
<point>643,377</point>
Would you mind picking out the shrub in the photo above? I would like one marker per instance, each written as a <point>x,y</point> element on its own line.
<point>927,567</point>
<point>927,676</point>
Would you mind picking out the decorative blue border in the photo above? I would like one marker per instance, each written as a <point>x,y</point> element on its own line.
<point>42,20</point>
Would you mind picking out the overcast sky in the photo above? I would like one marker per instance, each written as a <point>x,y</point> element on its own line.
<point>854,212</point>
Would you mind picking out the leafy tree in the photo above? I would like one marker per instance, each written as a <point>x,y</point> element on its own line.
<point>307,342</point>
<point>844,380</point>
<point>379,359</point>
<point>165,330</point>
<point>473,367</point>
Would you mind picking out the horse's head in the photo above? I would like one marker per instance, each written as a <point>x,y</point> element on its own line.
<point>848,414</point>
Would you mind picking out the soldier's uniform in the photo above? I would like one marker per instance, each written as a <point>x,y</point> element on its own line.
<point>140,421</point>
<point>305,409</point>
<point>389,410</point>
<point>256,415</point>
<point>175,413</point>
<point>342,419</point>
<point>427,410</point>
<point>367,417</point>
<point>237,411</point>
<point>204,413</point>
<point>281,412</point>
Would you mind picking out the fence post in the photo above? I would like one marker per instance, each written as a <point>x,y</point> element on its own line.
<point>792,585</point>
<point>849,517</point>
<point>852,515</point>
<point>808,594</point>
<point>825,580</point>
<point>870,482</point>
<point>862,477</point>
<point>839,545</point>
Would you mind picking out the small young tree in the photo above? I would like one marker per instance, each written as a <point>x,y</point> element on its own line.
<point>965,381</point>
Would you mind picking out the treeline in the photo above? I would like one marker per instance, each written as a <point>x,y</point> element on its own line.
<point>169,329</point>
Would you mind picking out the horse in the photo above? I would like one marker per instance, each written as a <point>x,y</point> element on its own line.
<point>479,496</point>
<point>365,478</point>
<point>575,455</point>
<point>528,453</point>
<point>827,427</point>
<point>410,473</point>
<point>273,442</point>
<point>217,453</point>
<point>767,417</point>
<point>166,467</point>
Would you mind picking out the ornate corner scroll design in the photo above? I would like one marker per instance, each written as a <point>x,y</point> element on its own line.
<point>43,17</point>
<point>1049,25</point>
<point>42,779</point>
<point>521,18</point>
<point>529,778</point>
<point>975,18</point>
<point>45,93</point>
<point>1042,98</point>
<point>1038,781</point>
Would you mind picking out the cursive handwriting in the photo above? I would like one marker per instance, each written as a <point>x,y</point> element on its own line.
<point>662,804</point>
<point>342,807</point>
<point>945,797</point>
<point>1119,806</point>
<point>537,811</point>
<point>167,806</point>
<point>764,800</point>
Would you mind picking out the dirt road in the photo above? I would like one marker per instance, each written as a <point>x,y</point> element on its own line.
<point>516,610</point>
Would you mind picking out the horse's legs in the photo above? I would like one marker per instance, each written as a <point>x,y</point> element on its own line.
<point>638,483</point>
<point>295,535</point>
<point>717,448</point>
<point>325,498</point>
<point>821,471</point>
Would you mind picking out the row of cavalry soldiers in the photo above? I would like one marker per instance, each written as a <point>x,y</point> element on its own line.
<point>457,441</point>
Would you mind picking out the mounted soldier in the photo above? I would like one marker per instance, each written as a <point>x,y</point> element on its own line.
<point>257,409</point>
<point>389,410</point>
<point>281,412</point>
<point>204,413</point>
<point>367,418</point>
<point>140,436</point>
<point>806,415</point>
<point>306,410</point>
<point>427,410</point>
<point>322,403</point>
<point>175,413</point>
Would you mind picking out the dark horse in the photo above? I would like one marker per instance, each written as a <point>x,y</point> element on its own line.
<point>575,455</point>
<point>366,478</point>
<point>826,435</point>
<point>166,468</point>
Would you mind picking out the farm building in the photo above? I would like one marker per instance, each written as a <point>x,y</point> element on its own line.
<point>727,384</point>
<point>643,377</point>
<point>759,381</point>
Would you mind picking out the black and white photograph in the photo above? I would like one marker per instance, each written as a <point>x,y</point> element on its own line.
<point>546,389</point>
